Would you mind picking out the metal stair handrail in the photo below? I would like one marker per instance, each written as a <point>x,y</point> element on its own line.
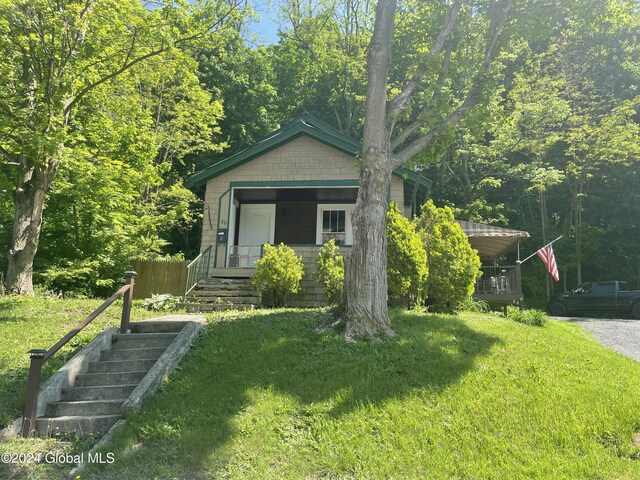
<point>197,270</point>
<point>39,357</point>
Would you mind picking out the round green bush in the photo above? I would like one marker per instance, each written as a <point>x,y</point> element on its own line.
<point>278,273</point>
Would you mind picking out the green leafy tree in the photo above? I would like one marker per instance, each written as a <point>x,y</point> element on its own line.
<point>561,150</point>
<point>448,63</point>
<point>243,79</point>
<point>453,265</point>
<point>278,273</point>
<point>330,270</point>
<point>407,266</point>
<point>319,63</point>
<point>61,57</point>
<point>116,195</point>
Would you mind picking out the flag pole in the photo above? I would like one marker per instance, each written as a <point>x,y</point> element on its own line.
<point>534,253</point>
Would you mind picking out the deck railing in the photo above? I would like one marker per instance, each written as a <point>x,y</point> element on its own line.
<point>39,357</point>
<point>197,270</point>
<point>499,280</point>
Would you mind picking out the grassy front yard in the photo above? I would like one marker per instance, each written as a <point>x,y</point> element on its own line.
<point>469,396</point>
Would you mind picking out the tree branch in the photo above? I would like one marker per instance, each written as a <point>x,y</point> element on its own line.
<point>435,98</point>
<point>498,17</point>
<point>11,156</point>
<point>128,64</point>
<point>401,102</point>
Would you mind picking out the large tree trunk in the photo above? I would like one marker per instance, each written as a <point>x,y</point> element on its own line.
<point>365,303</point>
<point>28,198</point>
<point>365,290</point>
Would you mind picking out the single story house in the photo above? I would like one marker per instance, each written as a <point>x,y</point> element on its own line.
<point>298,186</point>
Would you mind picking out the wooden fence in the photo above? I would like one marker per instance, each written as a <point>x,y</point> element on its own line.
<point>159,276</point>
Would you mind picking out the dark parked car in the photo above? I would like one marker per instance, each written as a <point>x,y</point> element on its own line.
<point>611,297</point>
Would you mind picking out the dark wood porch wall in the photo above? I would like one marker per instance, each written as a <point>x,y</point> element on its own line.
<point>296,223</point>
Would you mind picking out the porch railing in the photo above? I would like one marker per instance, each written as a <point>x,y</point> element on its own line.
<point>499,280</point>
<point>197,270</point>
<point>244,256</point>
<point>39,357</point>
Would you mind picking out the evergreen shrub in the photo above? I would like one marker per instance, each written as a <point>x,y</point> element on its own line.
<point>407,268</point>
<point>453,265</point>
<point>330,270</point>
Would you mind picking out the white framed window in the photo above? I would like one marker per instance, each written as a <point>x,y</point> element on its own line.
<point>334,221</point>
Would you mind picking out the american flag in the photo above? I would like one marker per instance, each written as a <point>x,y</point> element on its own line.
<point>547,257</point>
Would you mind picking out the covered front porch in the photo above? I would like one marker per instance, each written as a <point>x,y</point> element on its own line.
<point>299,216</point>
<point>498,285</point>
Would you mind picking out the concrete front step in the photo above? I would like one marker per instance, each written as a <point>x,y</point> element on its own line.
<point>101,392</point>
<point>111,378</point>
<point>85,407</point>
<point>76,425</point>
<point>166,326</point>
<point>141,340</point>
<point>136,354</point>
<point>115,366</point>
<point>117,378</point>
<point>231,280</point>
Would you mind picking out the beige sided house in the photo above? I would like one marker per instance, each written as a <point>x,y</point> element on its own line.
<point>298,187</point>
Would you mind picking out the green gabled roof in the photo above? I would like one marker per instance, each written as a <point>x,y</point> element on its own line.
<point>305,125</point>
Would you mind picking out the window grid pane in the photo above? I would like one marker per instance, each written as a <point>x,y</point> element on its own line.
<point>333,226</point>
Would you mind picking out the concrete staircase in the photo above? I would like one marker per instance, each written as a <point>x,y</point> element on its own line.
<point>213,294</point>
<point>93,404</point>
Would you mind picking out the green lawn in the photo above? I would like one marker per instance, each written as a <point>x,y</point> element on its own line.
<point>470,396</point>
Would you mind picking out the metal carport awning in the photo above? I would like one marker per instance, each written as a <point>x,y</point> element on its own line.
<point>491,242</point>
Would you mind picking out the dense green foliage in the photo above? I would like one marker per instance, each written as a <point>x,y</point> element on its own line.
<point>99,101</point>
<point>263,395</point>
<point>558,150</point>
<point>330,270</point>
<point>551,147</point>
<point>407,266</point>
<point>278,273</point>
<point>453,265</point>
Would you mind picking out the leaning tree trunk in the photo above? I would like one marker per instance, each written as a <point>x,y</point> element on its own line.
<point>28,198</point>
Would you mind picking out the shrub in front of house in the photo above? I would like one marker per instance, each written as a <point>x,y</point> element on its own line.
<point>161,302</point>
<point>536,318</point>
<point>453,265</point>
<point>278,274</point>
<point>407,268</point>
<point>330,270</point>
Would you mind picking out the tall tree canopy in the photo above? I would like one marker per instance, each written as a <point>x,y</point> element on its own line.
<point>450,57</point>
<point>64,63</point>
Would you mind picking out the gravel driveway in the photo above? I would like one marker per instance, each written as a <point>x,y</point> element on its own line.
<point>623,336</point>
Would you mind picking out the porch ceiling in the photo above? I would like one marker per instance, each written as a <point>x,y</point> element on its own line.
<point>340,195</point>
<point>490,241</point>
